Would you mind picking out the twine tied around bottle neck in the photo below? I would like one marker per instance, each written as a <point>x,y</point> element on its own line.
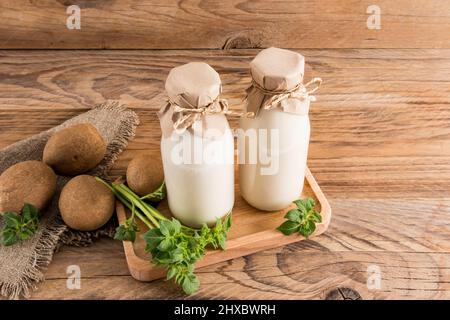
<point>300,91</point>
<point>186,114</point>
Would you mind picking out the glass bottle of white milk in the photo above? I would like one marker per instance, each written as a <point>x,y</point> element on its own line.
<point>273,146</point>
<point>197,146</point>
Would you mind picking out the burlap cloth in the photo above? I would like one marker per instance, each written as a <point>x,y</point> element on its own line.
<point>22,265</point>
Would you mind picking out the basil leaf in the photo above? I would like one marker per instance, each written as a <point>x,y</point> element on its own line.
<point>176,226</point>
<point>303,219</point>
<point>309,204</point>
<point>228,223</point>
<point>293,215</point>
<point>300,205</point>
<point>124,234</point>
<point>317,217</point>
<point>9,238</point>
<point>152,237</point>
<point>165,245</point>
<point>190,284</point>
<point>169,228</point>
<point>20,227</point>
<point>288,227</point>
<point>171,273</point>
<point>12,220</point>
<point>29,212</point>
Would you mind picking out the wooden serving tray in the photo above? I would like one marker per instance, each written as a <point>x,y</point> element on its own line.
<point>252,231</point>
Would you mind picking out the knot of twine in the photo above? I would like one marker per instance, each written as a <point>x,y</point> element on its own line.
<point>188,115</point>
<point>300,91</point>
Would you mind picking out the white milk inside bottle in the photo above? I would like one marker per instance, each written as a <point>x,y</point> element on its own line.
<point>198,155</point>
<point>274,183</point>
<point>273,146</point>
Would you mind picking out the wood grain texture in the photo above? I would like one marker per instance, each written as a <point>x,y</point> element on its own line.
<point>215,24</point>
<point>380,150</point>
<point>304,270</point>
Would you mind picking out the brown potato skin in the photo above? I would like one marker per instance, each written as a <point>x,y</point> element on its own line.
<point>75,150</point>
<point>145,173</point>
<point>30,182</point>
<point>85,203</point>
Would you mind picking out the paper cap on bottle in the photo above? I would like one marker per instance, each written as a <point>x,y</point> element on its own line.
<point>191,86</point>
<point>197,82</point>
<point>278,69</point>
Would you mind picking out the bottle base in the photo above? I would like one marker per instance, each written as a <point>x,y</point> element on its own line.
<point>268,207</point>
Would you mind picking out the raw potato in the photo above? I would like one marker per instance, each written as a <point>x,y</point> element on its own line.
<point>30,182</point>
<point>75,150</point>
<point>85,203</point>
<point>145,173</point>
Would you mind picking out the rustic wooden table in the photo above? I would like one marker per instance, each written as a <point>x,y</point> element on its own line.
<point>380,149</point>
<point>380,143</point>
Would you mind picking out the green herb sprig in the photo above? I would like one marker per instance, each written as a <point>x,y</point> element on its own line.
<point>19,227</point>
<point>178,248</point>
<point>127,231</point>
<point>157,195</point>
<point>303,219</point>
<point>172,245</point>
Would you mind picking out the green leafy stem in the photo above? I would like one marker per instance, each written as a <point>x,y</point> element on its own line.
<point>19,227</point>
<point>302,219</point>
<point>171,244</point>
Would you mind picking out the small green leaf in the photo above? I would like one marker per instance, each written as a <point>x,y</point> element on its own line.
<point>169,227</point>
<point>300,203</point>
<point>127,231</point>
<point>20,227</point>
<point>165,245</point>
<point>312,226</point>
<point>152,237</point>
<point>177,255</point>
<point>171,273</point>
<point>12,220</point>
<point>164,227</point>
<point>303,219</point>
<point>218,224</point>
<point>124,233</point>
<point>176,225</point>
<point>307,229</point>
<point>204,230</point>
<point>317,217</point>
<point>30,212</point>
<point>288,227</point>
<point>190,284</point>
<point>222,242</point>
<point>9,237</point>
<point>309,204</point>
<point>293,215</point>
<point>161,258</point>
<point>228,222</point>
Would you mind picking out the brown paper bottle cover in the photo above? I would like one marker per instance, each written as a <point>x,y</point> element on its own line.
<point>195,88</point>
<point>275,72</point>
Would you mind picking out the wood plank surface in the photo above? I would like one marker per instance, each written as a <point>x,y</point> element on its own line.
<point>304,270</point>
<point>380,150</point>
<point>215,24</point>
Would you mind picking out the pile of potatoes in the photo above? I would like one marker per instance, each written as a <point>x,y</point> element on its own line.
<point>85,204</point>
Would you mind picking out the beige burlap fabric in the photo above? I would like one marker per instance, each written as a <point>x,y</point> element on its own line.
<point>22,265</point>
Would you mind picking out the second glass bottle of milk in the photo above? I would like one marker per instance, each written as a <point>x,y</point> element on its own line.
<point>273,146</point>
